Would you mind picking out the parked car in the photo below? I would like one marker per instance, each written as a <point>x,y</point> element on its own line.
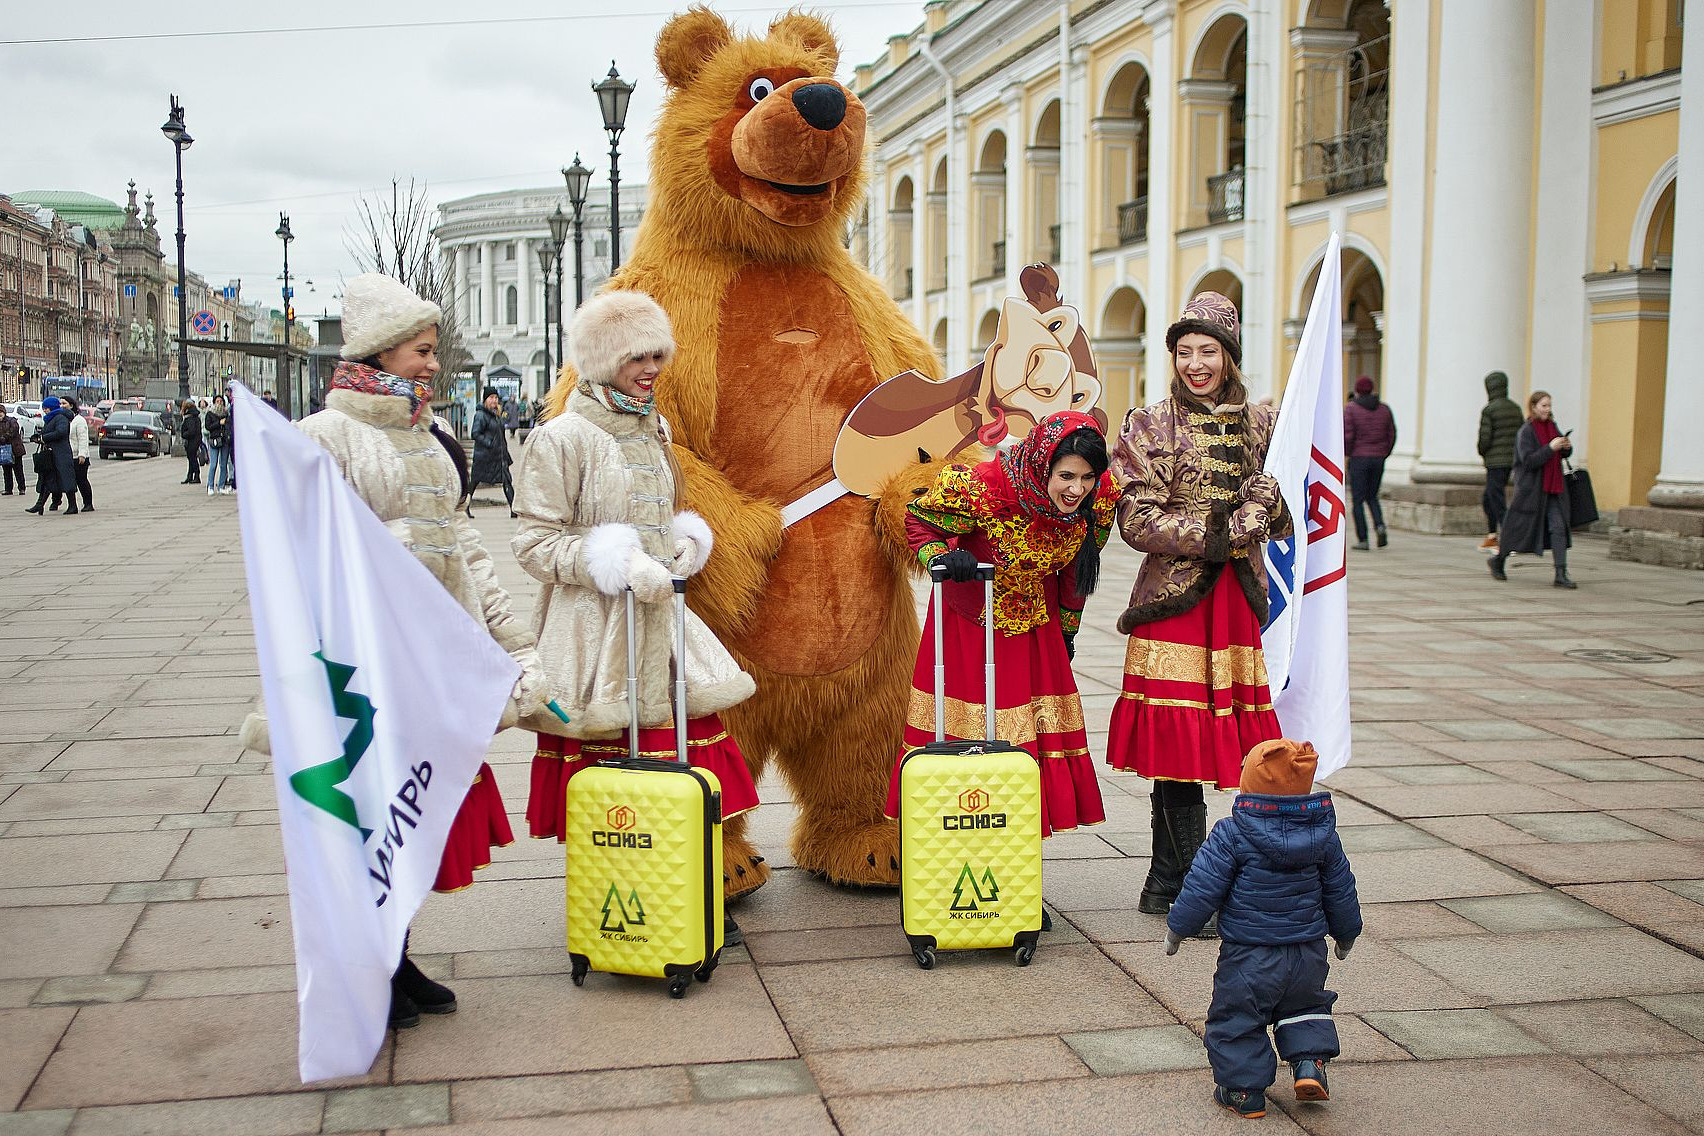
<point>28,415</point>
<point>95,420</point>
<point>167,409</point>
<point>132,432</point>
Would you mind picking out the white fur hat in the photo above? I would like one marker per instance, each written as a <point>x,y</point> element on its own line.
<point>612,328</point>
<point>379,313</point>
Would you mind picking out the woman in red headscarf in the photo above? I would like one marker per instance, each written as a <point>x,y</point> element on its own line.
<point>1040,513</point>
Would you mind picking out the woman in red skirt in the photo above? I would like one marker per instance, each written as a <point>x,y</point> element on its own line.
<point>1195,696</point>
<point>1040,513</point>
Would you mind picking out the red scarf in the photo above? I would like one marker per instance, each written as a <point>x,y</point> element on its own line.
<point>1020,474</point>
<point>1544,429</point>
<point>364,379</point>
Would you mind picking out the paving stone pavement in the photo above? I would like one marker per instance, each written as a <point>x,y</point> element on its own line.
<point>1525,813</point>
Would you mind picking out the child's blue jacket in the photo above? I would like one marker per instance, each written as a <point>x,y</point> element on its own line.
<point>1276,873</point>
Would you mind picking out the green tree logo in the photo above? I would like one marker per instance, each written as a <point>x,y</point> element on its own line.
<point>968,892</point>
<point>619,914</point>
<point>319,785</point>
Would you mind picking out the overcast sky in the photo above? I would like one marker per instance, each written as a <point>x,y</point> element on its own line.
<point>304,120</point>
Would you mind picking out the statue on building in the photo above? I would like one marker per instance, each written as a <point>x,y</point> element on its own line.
<point>137,342</point>
<point>149,333</point>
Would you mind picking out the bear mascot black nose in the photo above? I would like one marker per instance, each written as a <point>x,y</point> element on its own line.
<point>823,105</point>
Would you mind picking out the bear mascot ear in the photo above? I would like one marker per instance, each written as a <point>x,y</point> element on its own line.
<point>687,42</point>
<point>811,33</point>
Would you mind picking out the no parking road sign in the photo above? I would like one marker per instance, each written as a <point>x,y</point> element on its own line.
<point>204,324</point>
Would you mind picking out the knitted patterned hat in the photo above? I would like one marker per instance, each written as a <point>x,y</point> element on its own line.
<point>1210,314</point>
<point>379,313</point>
<point>1280,768</point>
<point>610,329</point>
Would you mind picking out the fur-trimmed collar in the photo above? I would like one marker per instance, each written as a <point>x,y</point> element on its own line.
<point>388,412</point>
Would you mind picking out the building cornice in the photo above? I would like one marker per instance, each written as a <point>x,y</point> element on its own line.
<point>1637,98</point>
<point>1633,285</point>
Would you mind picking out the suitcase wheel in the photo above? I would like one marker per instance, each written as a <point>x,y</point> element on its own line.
<point>703,973</point>
<point>1023,954</point>
<point>925,957</point>
<point>578,971</point>
<point>678,985</point>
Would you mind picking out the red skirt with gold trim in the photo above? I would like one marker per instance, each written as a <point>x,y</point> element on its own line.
<point>1195,694</point>
<point>481,824</point>
<point>709,746</point>
<point>1036,706</point>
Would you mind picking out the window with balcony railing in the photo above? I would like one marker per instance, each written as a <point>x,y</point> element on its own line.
<point>1343,121</point>
<point>1225,197</point>
<point>1133,221</point>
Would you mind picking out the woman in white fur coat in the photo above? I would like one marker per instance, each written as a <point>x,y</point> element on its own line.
<point>597,494</point>
<point>377,425</point>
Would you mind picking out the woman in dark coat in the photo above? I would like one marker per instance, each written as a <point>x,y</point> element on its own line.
<point>1538,514</point>
<point>189,429</point>
<point>491,458</point>
<point>58,475</point>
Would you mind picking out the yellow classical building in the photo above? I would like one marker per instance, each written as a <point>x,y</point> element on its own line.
<point>1503,174</point>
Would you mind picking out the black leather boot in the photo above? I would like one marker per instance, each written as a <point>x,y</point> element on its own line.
<point>1164,876</point>
<point>428,997</point>
<point>1188,828</point>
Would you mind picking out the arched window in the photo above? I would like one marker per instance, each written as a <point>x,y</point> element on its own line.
<point>498,359</point>
<point>511,306</point>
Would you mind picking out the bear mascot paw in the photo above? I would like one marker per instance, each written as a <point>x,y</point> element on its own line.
<point>757,167</point>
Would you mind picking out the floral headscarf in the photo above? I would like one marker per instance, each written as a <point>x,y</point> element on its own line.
<point>370,380</point>
<point>1028,464</point>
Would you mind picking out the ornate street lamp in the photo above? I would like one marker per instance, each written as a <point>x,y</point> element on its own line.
<point>558,234</point>
<point>579,180</point>
<point>613,95</point>
<point>546,259</point>
<point>283,233</point>
<point>181,140</point>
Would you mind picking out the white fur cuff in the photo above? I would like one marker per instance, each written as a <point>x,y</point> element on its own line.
<point>693,527</point>
<point>606,552</point>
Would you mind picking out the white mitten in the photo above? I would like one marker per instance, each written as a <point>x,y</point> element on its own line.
<point>607,551</point>
<point>532,689</point>
<point>692,543</point>
<point>650,581</point>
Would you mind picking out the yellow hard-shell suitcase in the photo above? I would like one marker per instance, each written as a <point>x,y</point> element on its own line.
<point>969,829</point>
<point>644,853</point>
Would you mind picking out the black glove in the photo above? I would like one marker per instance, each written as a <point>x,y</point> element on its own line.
<point>1070,646</point>
<point>959,565</point>
<point>1344,946</point>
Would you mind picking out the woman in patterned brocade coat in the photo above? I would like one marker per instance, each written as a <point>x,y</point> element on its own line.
<point>1195,696</point>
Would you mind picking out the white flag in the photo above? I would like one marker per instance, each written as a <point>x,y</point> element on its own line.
<point>382,695</point>
<point>1306,638</point>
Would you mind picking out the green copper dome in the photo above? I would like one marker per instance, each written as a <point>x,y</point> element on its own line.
<point>75,206</point>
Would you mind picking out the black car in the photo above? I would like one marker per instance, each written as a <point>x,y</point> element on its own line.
<point>167,409</point>
<point>132,432</point>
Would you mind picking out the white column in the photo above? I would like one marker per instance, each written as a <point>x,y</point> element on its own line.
<point>920,220</point>
<point>1162,175</point>
<point>1405,282</point>
<point>880,203</point>
<point>1265,186</point>
<point>1074,198</point>
<point>1476,307</point>
<point>959,198</point>
<point>1074,240</point>
<point>524,265</point>
<point>1017,188</point>
<point>487,286</point>
<point>464,302</point>
<point>1680,483</point>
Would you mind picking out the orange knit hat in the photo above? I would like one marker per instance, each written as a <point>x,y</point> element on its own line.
<point>1280,768</point>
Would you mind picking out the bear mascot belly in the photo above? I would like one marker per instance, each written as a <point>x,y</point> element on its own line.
<point>757,166</point>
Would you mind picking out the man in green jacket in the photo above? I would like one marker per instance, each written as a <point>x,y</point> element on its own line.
<point>1499,422</point>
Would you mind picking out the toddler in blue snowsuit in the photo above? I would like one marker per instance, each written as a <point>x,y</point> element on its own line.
<point>1275,872</point>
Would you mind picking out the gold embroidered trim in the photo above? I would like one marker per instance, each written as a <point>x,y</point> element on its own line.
<point>1190,704</point>
<point>1161,661</point>
<point>1045,714</point>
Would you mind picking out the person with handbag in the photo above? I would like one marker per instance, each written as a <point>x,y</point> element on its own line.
<point>1538,514</point>
<point>12,452</point>
<point>189,429</point>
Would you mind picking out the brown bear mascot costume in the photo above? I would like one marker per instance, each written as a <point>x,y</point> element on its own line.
<point>757,164</point>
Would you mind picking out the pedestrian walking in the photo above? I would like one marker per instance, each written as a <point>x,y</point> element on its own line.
<point>491,459</point>
<point>270,399</point>
<point>378,426</point>
<point>1195,695</point>
<point>216,431</point>
<point>511,415</point>
<point>1538,514</point>
<point>1040,512</point>
<point>12,452</point>
<point>1369,435</point>
<point>598,496</point>
<point>525,413</point>
<point>55,471</point>
<point>1499,422</point>
<point>1275,873</point>
<point>80,455</point>
<point>189,429</point>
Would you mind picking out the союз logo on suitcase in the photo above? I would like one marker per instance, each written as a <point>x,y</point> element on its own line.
<point>975,803</point>
<point>621,820</point>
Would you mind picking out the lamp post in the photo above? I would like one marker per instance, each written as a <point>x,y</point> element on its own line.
<point>546,259</point>
<point>180,138</point>
<point>558,234</point>
<point>579,179</point>
<point>283,233</point>
<point>613,94</point>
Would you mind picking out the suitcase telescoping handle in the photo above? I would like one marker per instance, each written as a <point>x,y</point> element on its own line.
<point>985,573</point>
<point>679,669</point>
